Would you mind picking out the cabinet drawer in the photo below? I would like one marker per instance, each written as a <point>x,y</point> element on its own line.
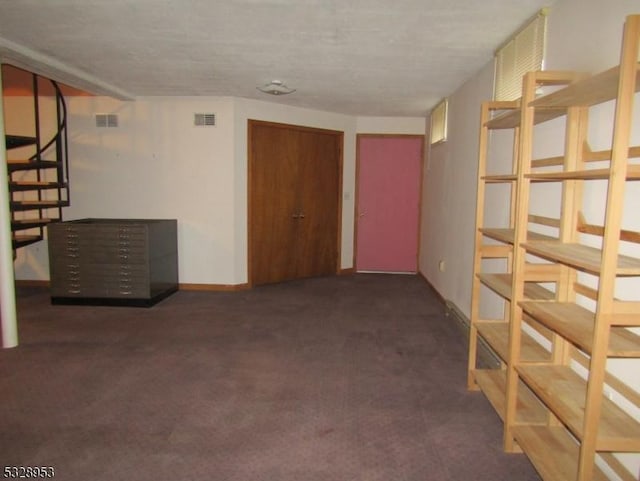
<point>77,291</point>
<point>98,232</point>
<point>113,258</point>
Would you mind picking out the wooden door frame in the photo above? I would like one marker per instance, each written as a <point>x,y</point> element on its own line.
<point>250,161</point>
<point>357,188</point>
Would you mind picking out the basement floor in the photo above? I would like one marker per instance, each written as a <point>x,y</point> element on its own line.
<point>331,379</point>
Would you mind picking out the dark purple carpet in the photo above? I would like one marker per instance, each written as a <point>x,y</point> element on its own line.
<point>333,379</point>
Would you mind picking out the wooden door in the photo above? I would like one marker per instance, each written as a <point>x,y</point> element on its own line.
<point>294,205</point>
<point>389,179</point>
<point>273,175</point>
<point>318,199</point>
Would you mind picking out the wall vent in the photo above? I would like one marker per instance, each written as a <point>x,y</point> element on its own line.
<point>106,120</point>
<point>204,120</point>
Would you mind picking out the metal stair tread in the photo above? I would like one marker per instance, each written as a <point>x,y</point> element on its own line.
<point>22,240</point>
<point>22,224</point>
<point>25,164</point>
<point>15,141</point>
<point>35,185</point>
<point>38,204</point>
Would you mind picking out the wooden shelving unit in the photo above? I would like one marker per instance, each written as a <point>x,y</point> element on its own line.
<point>497,242</point>
<point>577,423</point>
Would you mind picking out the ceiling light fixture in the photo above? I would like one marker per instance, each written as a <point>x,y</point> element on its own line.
<point>276,87</point>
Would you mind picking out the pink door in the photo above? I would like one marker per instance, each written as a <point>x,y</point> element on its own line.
<point>389,170</point>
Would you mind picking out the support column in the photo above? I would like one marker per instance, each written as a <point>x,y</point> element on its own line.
<point>8,314</point>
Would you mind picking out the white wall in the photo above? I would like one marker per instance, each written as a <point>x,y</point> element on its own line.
<point>157,164</point>
<point>582,35</point>
<point>390,125</point>
<point>450,178</point>
<point>246,109</point>
<point>449,187</point>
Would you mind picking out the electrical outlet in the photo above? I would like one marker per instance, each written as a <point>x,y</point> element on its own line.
<point>441,266</point>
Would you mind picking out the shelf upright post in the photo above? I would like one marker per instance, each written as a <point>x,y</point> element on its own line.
<point>477,259</point>
<point>628,72</point>
<point>520,235</point>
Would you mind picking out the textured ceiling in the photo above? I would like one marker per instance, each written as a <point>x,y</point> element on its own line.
<point>359,57</point>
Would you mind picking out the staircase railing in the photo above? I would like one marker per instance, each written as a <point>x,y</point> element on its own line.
<point>57,145</point>
<point>59,138</point>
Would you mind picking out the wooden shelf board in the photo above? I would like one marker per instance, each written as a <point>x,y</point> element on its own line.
<point>502,235</point>
<point>504,120</point>
<point>605,155</point>
<point>493,383</point>
<point>633,173</point>
<point>511,119</point>
<point>547,162</point>
<point>496,333</point>
<point>499,178</point>
<point>580,256</point>
<point>564,392</point>
<point>626,313</point>
<point>576,324</point>
<point>498,283</point>
<point>553,453</point>
<point>507,235</point>
<point>536,291</point>
<point>501,284</point>
<point>592,90</point>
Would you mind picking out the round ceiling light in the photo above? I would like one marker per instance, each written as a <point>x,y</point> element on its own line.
<point>276,87</point>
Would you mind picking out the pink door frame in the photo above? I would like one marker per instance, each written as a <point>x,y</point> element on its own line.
<point>359,137</point>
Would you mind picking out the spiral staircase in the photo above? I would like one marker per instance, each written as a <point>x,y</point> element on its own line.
<point>38,170</point>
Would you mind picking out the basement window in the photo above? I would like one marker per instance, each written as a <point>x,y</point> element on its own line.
<point>522,53</point>
<point>439,122</point>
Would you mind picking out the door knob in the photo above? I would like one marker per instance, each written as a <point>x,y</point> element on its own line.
<point>295,216</point>
<point>301,216</point>
<point>362,214</point>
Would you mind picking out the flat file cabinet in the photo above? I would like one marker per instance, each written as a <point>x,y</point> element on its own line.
<point>113,261</point>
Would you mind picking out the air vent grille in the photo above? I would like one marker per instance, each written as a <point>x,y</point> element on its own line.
<point>204,120</point>
<point>106,120</point>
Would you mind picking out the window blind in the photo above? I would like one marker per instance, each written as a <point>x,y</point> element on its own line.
<point>439,122</point>
<point>523,53</point>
